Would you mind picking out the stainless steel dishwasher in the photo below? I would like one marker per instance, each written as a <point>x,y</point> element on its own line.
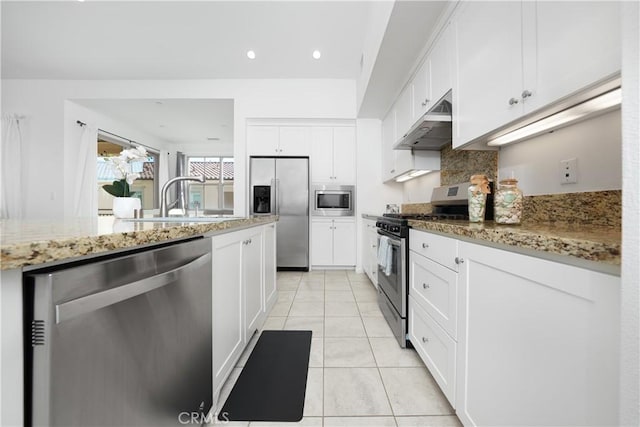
<point>120,341</point>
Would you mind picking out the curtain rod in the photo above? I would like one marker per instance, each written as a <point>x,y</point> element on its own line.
<point>131,142</point>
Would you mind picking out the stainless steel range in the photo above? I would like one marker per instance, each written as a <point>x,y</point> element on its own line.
<point>449,203</point>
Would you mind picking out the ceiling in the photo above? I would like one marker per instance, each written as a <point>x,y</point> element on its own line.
<point>147,40</point>
<point>181,121</point>
<point>182,39</point>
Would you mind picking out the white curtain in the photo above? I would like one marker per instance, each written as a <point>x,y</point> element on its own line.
<point>86,182</point>
<point>11,163</point>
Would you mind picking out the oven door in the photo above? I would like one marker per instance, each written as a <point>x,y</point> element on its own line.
<point>394,285</point>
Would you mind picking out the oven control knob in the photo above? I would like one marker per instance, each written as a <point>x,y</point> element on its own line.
<point>395,228</point>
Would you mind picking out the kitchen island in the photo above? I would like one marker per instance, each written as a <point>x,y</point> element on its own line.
<point>242,272</point>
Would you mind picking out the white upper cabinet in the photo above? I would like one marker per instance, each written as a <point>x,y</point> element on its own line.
<point>278,140</point>
<point>263,140</point>
<point>578,43</point>
<point>421,91</point>
<point>440,58</point>
<point>513,58</point>
<point>333,154</point>
<point>404,113</point>
<point>489,68</point>
<point>295,141</point>
<point>388,153</point>
<point>433,79</point>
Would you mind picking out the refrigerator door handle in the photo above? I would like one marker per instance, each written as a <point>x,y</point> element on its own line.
<point>274,193</point>
<point>277,196</point>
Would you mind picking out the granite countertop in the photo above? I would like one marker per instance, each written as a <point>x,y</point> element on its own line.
<point>35,242</point>
<point>369,216</point>
<point>583,242</point>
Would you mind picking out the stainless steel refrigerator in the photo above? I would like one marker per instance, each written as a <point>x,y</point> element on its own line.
<point>280,186</point>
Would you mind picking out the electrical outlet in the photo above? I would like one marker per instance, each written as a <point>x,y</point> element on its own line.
<point>569,171</point>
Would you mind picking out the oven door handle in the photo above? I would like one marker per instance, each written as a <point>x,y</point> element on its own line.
<point>394,240</point>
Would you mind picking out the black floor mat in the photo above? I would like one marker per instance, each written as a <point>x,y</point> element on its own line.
<point>271,386</point>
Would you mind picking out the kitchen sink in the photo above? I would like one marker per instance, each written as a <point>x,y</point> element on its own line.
<point>214,218</point>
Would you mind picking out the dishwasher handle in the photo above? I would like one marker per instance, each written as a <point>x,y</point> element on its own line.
<point>70,309</point>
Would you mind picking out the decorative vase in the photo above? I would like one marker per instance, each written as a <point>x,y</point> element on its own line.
<point>125,207</point>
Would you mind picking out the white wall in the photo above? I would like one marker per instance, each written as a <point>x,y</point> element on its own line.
<point>44,102</point>
<point>372,196</point>
<point>378,19</point>
<point>418,190</point>
<point>596,143</point>
<point>630,292</point>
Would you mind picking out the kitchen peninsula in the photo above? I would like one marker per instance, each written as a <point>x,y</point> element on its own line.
<point>207,285</point>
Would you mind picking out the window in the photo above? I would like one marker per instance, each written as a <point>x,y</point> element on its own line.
<point>145,187</point>
<point>216,194</point>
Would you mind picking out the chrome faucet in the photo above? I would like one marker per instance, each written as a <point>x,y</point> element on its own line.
<point>165,187</point>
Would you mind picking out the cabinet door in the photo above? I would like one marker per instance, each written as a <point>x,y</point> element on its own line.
<point>577,43</point>
<point>270,289</point>
<point>322,154</point>
<point>344,242</point>
<point>321,242</point>
<point>373,254</point>
<point>537,339</point>
<point>421,90</point>
<point>388,139</point>
<point>489,68</point>
<point>344,155</point>
<point>404,113</point>
<point>228,331</point>
<point>436,349</point>
<point>252,281</point>
<point>440,58</point>
<point>295,141</point>
<point>262,140</point>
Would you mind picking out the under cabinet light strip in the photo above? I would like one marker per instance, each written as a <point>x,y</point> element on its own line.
<point>599,104</point>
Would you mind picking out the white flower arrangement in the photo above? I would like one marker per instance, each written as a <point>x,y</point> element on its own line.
<point>122,168</point>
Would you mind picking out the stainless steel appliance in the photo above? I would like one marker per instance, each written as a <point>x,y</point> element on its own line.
<point>449,203</point>
<point>393,289</point>
<point>333,200</point>
<point>120,341</point>
<point>280,186</point>
<point>432,131</point>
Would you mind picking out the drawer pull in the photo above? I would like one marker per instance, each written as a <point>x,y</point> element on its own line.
<point>425,340</point>
<point>459,260</point>
<point>425,246</point>
<point>425,286</point>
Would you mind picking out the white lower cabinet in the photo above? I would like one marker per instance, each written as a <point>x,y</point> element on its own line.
<point>370,249</point>
<point>333,242</point>
<point>243,290</point>
<point>435,347</point>
<point>252,281</point>
<point>433,300</point>
<point>538,341</point>
<point>270,288</point>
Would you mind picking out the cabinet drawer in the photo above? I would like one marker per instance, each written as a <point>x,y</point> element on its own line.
<point>442,250</point>
<point>435,288</point>
<point>436,349</point>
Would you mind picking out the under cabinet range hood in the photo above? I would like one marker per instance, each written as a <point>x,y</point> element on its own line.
<point>432,131</point>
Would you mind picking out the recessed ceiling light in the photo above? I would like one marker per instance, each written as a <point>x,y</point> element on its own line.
<point>251,54</point>
<point>316,54</point>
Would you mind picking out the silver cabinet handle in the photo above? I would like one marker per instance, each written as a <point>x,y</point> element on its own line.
<point>76,307</point>
<point>425,102</point>
<point>392,170</point>
<point>425,246</point>
<point>425,286</point>
<point>425,340</point>
<point>513,101</point>
<point>459,260</point>
<point>373,246</point>
<point>526,94</point>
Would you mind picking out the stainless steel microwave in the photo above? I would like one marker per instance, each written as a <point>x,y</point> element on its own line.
<point>333,200</point>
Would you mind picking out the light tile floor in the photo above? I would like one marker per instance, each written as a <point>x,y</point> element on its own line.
<point>358,375</point>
